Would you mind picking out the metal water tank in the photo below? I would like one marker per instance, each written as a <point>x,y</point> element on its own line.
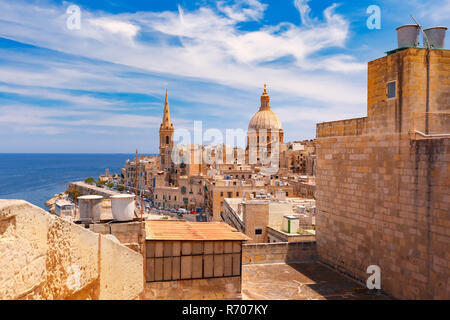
<point>436,37</point>
<point>408,36</point>
<point>90,207</point>
<point>123,207</point>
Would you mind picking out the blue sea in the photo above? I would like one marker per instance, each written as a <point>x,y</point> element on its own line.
<point>37,177</point>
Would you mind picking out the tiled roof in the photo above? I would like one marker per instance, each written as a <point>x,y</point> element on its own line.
<point>186,230</point>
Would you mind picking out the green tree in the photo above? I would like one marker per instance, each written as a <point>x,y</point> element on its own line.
<point>73,192</point>
<point>120,188</point>
<point>100,183</point>
<point>89,180</point>
<point>110,185</point>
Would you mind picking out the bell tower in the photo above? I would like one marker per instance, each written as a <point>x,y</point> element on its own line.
<point>166,138</point>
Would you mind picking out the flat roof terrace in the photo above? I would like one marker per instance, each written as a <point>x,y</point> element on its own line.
<point>301,281</point>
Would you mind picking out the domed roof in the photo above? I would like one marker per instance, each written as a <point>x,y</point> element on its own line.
<point>265,118</point>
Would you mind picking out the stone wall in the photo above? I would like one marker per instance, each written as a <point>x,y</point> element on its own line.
<point>88,189</point>
<point>285,252</point>
<point>130,234</point>
<point>45,257</point>
<point>196,289</point>
<point>256,216</point>
<point>383,194</point>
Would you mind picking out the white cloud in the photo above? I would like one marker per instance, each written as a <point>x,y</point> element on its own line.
<point>115,26</point>
<point>214,48</point>
<point>304,11</point>
<point>202,56</point>
<point>242,10</point>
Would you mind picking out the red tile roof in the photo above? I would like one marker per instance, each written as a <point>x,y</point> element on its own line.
<point>186,230</point>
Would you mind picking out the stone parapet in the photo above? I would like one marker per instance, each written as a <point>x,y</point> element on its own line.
<point>284,252</point>
<point>43,256</point>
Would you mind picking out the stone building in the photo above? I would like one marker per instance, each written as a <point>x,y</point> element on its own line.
<point>192,260</point>
<point>197,176</point>
<point>264,130</point>
<point>166,138</point>
<point>188,194</point>
<point>219,189</point>
<point>298,157</point>
<point>142,167</point>
<point>383,186</point>
<point>271,218</point>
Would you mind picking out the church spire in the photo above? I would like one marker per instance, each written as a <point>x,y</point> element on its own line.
<point>166,117</point>
<point>265,100</point>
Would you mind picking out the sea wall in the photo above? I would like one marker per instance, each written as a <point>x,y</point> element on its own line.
<point>45,257</point>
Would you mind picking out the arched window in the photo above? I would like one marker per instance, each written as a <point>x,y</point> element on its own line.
<point>167,139</point>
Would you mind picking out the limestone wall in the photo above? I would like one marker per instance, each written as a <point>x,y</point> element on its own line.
<point>386,202</point>
<point>130,234</point>
<point>45,257</point>
<point>285,252</point>
<point>197,289</point>
<point>88,189</point>
<point>383,195</point>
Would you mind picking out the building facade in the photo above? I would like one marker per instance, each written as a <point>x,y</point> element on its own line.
<point>383,186</point>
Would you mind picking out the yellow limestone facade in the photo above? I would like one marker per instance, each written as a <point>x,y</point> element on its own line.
<point>264,130</point>
<point>166,138</point>
<point>383,181</point>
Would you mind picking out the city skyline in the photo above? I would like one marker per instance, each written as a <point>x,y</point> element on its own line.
<point>95,90</point>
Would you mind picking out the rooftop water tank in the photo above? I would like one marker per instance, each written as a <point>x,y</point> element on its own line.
<point>90,207</point>
<point>408,36</point>
<point>123,207</point>
<point>436,37</point>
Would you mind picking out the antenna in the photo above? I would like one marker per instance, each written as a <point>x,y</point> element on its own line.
<point>428,46</point>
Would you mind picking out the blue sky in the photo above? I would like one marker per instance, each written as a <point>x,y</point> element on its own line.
<point>101,88</point>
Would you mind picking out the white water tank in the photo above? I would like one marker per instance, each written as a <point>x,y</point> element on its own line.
<point>123,207</point>
<point>90,207</point>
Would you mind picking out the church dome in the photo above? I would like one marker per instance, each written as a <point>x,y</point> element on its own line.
<point>265,118</point>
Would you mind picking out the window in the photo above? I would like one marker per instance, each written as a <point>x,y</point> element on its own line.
<point>391,89</point>
<point>237,194</point>
<point>230,194</point>
<point>258,231</point>
<point>221,194</point>
<point>167,139</point>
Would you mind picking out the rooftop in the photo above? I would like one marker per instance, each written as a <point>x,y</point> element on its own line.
<point>186,230</point>
<point>300,281</point>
